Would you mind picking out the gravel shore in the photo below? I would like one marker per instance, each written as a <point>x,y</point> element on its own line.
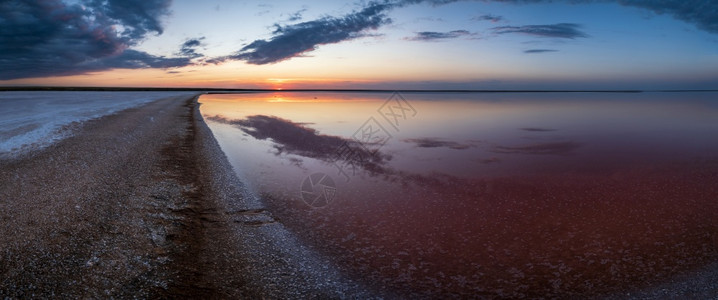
<point>143,204</point>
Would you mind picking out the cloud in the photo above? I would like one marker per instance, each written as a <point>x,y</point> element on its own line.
<point>702,13</point>
<point>132,59</point>
<point>489,17</point>
<point>51,37</point>
<point>490,160</point>
<point>437,143</point>
<point>265,9</point>
<point>138,17</point>
<point>296,16</point>
<point>553,148</point>
<point>295,40</point>
<point>534,51</point>
<point>561,30</point>
<point>188,48</point>
<point>429,19</point>
<point>432,35</point>
<point>537,129</point>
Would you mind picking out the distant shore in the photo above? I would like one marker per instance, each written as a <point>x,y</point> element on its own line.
<point>240,90</point>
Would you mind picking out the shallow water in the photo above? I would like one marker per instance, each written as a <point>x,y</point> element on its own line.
<point>494,194</point>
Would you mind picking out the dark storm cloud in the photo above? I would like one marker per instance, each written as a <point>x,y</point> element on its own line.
<point>490,18</point>
<point>561,30</point>
<point>294,40</point>
<point>534,51</point>
<point>139,17</point>
<point>432,35</point>
<point>50,37</point>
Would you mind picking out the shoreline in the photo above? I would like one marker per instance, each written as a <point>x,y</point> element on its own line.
<point>143,203</point>
<point>249,90</point>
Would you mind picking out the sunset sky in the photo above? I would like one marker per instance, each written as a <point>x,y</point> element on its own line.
<point>397,44</point>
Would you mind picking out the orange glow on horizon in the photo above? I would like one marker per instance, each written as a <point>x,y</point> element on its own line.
<point>290,97</point>
<point>238,75</point>
<point>188,79</point>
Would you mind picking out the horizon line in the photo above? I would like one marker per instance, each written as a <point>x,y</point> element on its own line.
<point>231,90</point>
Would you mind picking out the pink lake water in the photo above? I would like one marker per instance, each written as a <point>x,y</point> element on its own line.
<point>485,194</point>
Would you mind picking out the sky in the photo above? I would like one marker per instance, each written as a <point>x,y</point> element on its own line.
<point>386,44</point>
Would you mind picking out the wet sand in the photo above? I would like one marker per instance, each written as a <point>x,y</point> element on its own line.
<point>143,204</point>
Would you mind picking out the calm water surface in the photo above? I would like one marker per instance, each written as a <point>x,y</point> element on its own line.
<point>497,195</point>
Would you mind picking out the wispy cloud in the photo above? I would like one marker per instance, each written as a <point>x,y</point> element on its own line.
<point>437,143</point>
<point>265,9</point>
<point>429,19</point>
<point>433,36</point>
<point>535,51</point>
<point>296,16</point>
<point>537,129</point>
<point>553,148</point>
<point>561,30</point>
<point>51,37</point>
<point>491,18</point>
